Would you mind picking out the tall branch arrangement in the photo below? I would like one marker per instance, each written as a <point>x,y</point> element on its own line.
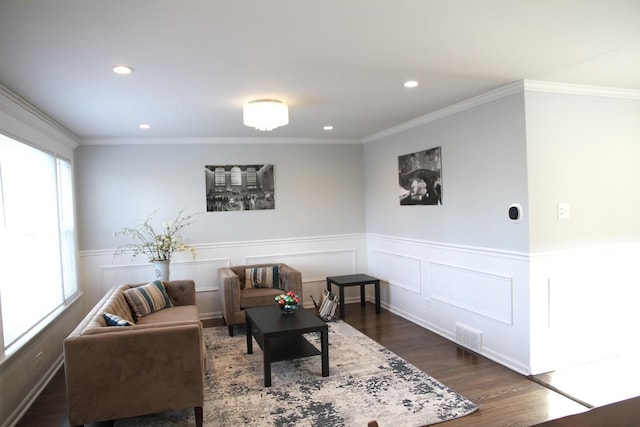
<point>158,246</point>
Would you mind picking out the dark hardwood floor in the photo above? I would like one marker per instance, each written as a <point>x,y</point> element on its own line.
<point>505,397</point>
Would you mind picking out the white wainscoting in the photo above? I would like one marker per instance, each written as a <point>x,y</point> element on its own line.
<point>315,257</point>
<point>440,285</point>
<point>583,306</point>
<point>399,269</point>
<point>481,292</point>
<point>314,264</point>
<point>203,272</point>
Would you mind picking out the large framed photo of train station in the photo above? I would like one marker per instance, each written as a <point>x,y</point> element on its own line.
<point>239,187</point>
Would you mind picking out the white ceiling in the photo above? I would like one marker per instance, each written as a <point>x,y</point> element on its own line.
<point>339,62</point>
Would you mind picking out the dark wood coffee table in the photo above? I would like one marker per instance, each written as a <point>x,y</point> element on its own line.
<point>280,336</point>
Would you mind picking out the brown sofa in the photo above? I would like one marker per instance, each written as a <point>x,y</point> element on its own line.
<point>156,365</point>
<point>235,298</point>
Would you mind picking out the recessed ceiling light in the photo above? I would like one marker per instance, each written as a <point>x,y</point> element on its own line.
<point>410,83</point>
<point>122,69</point>
<point>328,127</point>
<point>145,126</point>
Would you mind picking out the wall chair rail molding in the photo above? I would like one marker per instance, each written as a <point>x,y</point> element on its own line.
<point>426,244</point>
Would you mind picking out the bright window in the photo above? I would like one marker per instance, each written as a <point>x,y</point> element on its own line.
<point>37,250</point>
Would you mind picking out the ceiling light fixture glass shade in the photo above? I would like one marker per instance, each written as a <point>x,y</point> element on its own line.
<point>122,69</point>
<point>266,114</point>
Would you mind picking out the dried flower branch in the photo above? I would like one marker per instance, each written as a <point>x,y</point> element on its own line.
<point>157,246</point>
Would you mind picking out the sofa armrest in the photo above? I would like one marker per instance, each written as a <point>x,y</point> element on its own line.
<point>162,367</point>
<point>181,292</point>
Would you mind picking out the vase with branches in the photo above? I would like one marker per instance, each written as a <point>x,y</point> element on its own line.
<point>159,246</point>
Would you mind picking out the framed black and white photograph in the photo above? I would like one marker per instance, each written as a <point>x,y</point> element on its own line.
<point>420,177</point>
<point>239,187</point>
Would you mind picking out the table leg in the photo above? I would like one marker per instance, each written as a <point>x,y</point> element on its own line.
<point>328,285</point>
<point>266,360</point>
<point>377,285</point>
<point>324,342</point>
<point>343,311</point>
<point>249,337</point>
<point>362,294</point>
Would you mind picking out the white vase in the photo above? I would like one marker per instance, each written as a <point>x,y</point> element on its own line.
<point>162,270</point>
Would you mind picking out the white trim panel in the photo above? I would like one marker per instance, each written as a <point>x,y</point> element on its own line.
<point>203,272</point>
<point>314,265</point>
<point>481,292</point>
<point>398,269</point>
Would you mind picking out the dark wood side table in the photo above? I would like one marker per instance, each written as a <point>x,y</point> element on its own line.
<point>280,336</point>
<point>354,280</point>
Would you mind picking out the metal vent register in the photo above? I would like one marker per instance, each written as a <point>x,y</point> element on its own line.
<point>469,338</point>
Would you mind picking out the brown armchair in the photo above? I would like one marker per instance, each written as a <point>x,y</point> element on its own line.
<point>235,298</point>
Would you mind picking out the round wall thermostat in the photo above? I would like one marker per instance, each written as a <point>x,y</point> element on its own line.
<point>515,212</point>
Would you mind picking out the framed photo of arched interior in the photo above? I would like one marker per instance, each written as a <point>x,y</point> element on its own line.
<point>420,177</point>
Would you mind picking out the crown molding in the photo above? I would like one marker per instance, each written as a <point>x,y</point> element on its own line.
<point>515,87</point>
<point>492,95</point>
<point>16,107</point>
<point>215,140</point>
<point>574,89</point>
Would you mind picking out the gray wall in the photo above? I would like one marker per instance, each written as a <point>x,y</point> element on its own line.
<point>318,190</point>
<point>583,150</point>
<point>483,173</point>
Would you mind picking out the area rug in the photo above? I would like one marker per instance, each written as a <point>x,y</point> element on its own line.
<point>366,382</point>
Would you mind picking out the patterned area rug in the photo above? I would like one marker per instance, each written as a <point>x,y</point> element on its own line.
<point>367,382</point>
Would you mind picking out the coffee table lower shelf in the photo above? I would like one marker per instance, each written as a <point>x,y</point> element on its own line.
<point>288,347</point>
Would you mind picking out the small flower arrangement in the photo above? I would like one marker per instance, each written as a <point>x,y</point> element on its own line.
<point>158,246</point>
<point>288,302</point>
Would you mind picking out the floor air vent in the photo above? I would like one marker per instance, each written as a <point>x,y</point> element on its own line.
<point>469,338</point>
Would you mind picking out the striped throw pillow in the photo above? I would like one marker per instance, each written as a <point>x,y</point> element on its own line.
<point>113,320</point>
<point>262,277</point>
<point>147,299</point>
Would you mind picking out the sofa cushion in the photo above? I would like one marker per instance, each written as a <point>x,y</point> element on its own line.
<point>262,277</point>
<point>181,313</point>
<point>147,299</point>
<point>113,320</point>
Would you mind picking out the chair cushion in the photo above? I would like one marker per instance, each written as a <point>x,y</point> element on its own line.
<point>262,277</point>
<point>259,297</point>
<point>147,299</point>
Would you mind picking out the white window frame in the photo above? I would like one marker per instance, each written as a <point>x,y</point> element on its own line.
<point>67,253</point>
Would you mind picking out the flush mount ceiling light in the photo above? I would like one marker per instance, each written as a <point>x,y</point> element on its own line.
<point>411,84</point>
<point>266,114</point>
<point>122,69</point>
